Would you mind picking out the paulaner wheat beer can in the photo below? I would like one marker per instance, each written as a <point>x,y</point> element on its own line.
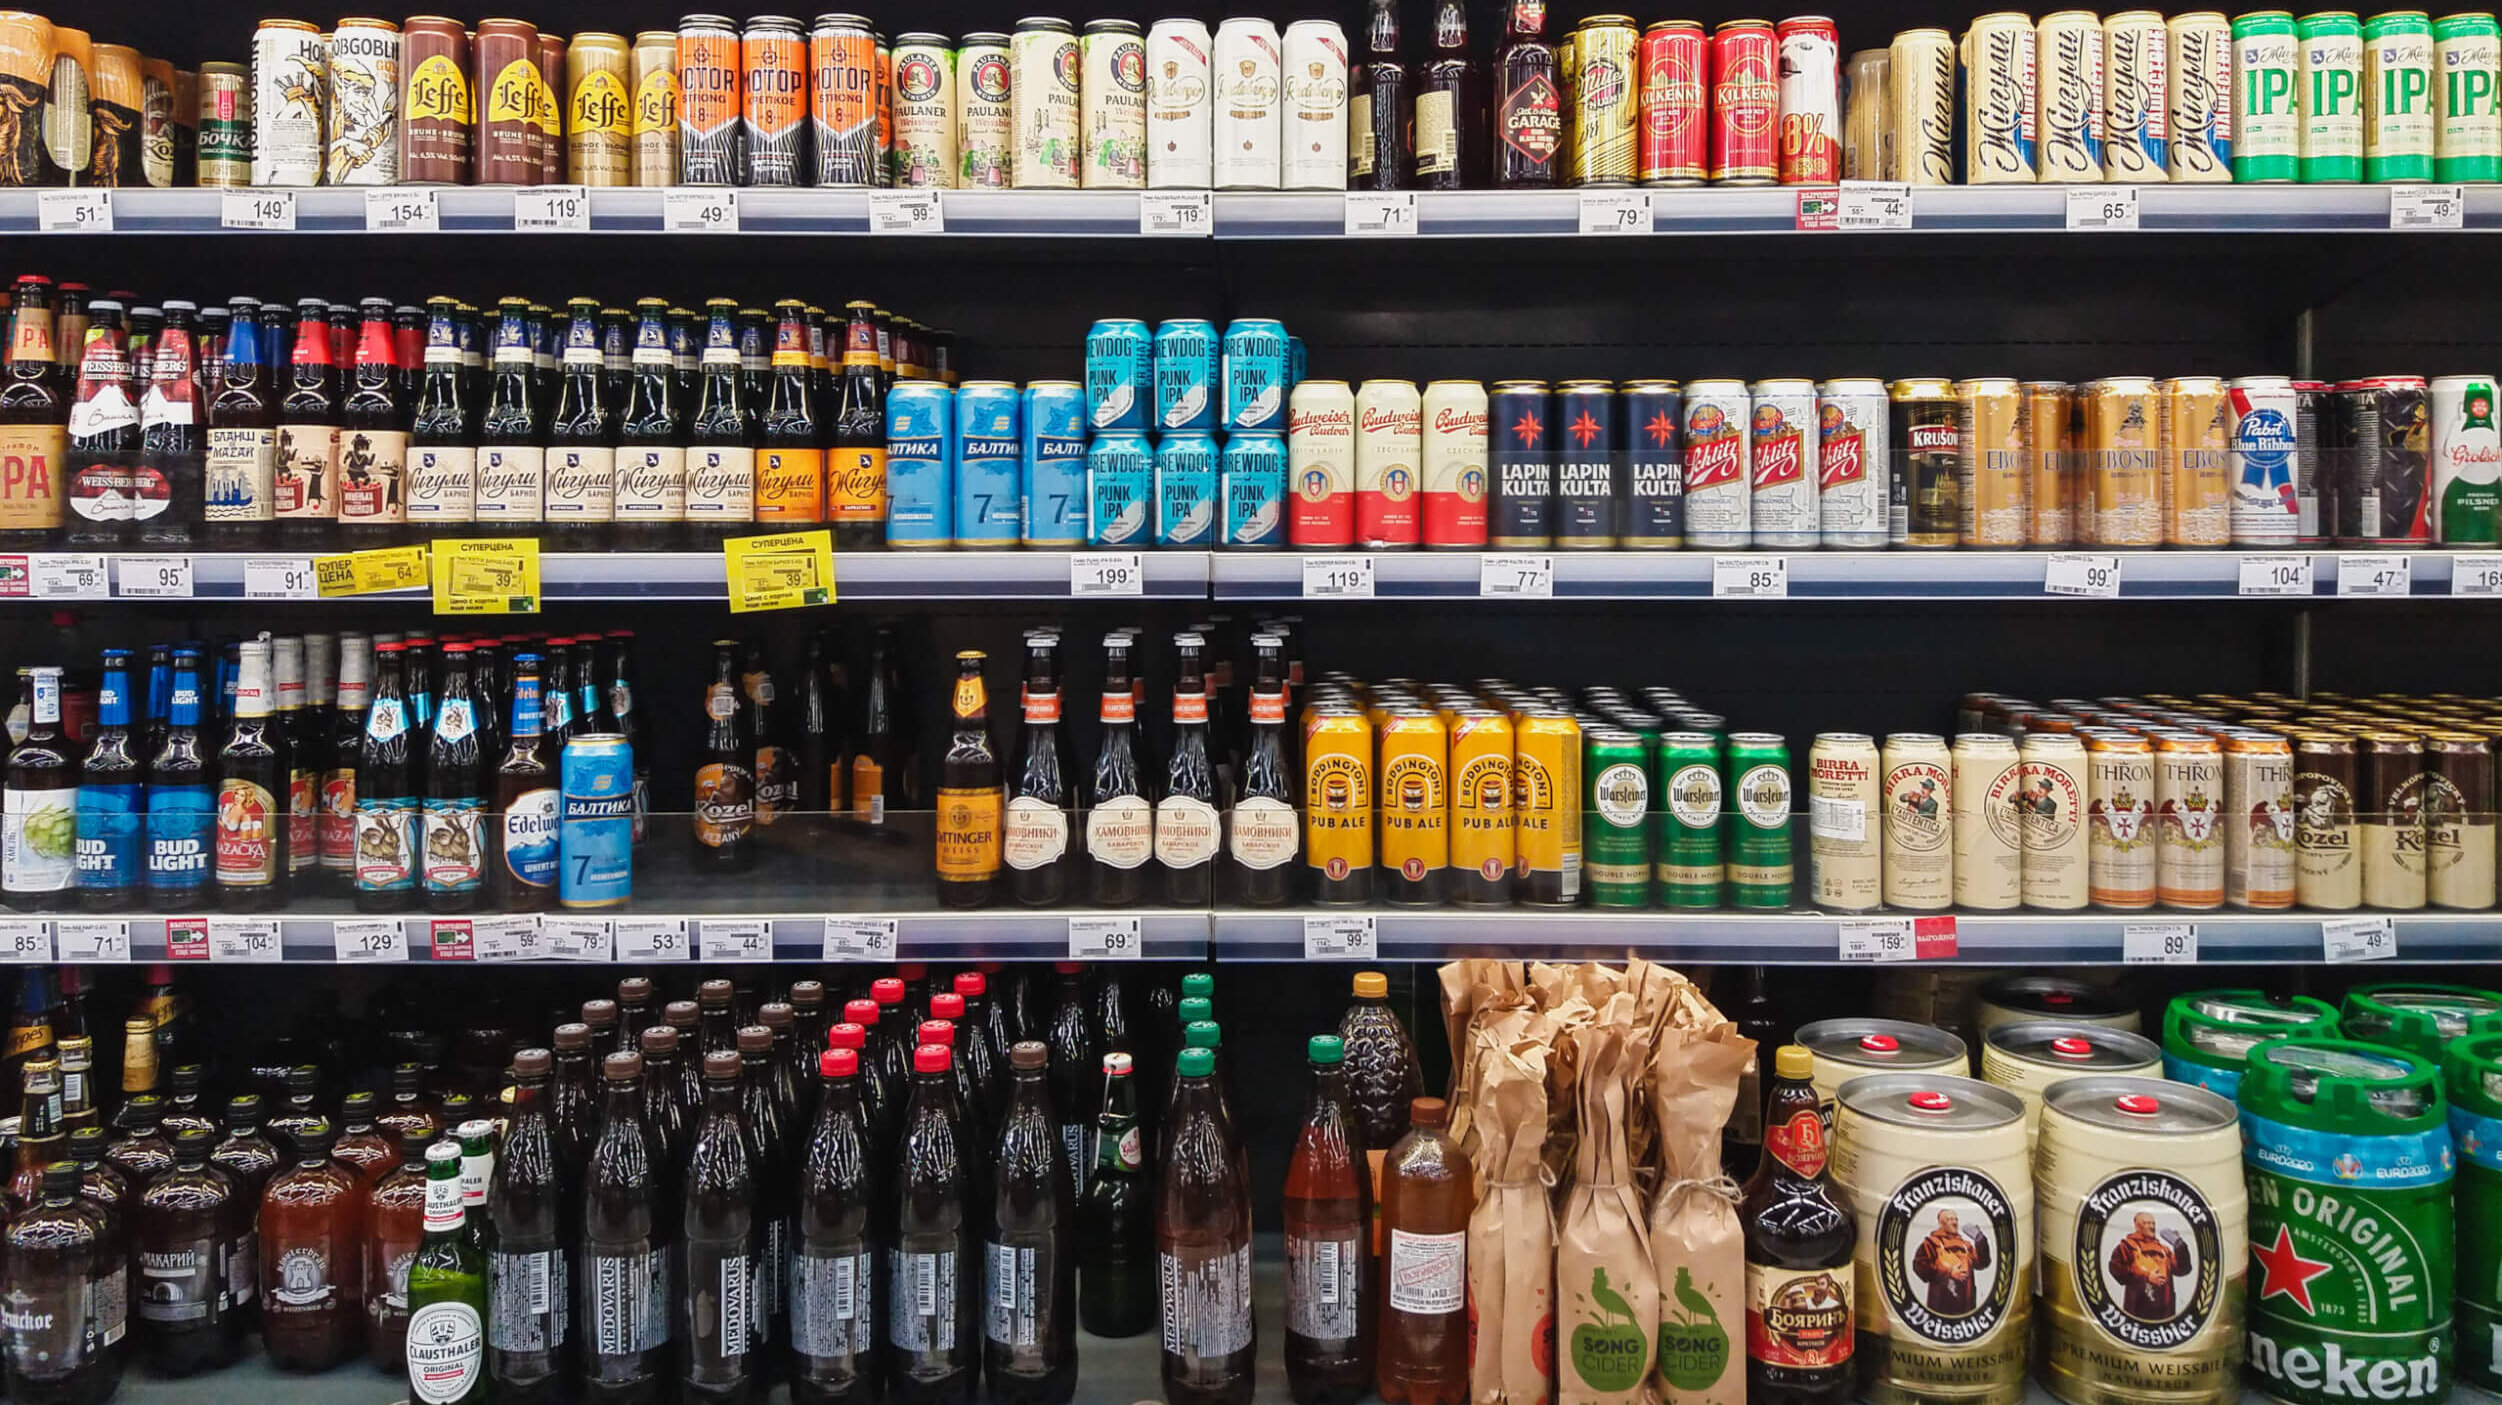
<point>2123,443</point>
<point>1389,447</point>
<point>2000,141</point>
<point>1784,456</point>
<point>1455,465</point>
<point>1320,465</point>
<point>1917,791</point>
<point>2261,462</point>
<point>1521,458</point>
<point>290,87</point>
<point>363,118</point>
<point>2467,63</point>
<point>2136,98</point>
<point>2199,61</point>
<point>2070,88</point>
<point>2329,45</point>
<point>2328,866</point>
<point>1989,447</point>
<point>2398,117</point>
<point>1112,106</point>
<point>2049,462</point>
<point>1719,506</point>
<point>1989,835</point>
<point>1845,839</point>
<point>1921,108</point>
<point>2051,807</point>
<point>2267,118</point>
<point>985,113</point>
<point>1924,492</point>
<point>922,103</point>
<point>656,107</point>
<point>708,102</point>
<point>1851,445</point>
<point>1180,107</point>
<point>2466,461</point>
<point>1587,500</point>
<point>1044,85</point>
<point>2196,487</point>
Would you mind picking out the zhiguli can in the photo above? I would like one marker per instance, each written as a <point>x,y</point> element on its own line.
<point>1454,466</point>
<point>1719,502</point>
<point>1389,449</point>
<point>2136,98</point>
<point>1320,465</point>
<point>2267,117</point>
<point>1653,445</point>
<point>1811,100</point>
<point>2198,60</point>
<point>2261,463</point>
<point>1671,145</point>
<point>2000,139</point>
<point>1920,111</point>
<point>2069,91</point>
<point>1745,103</point>
<point>1521,459</point>
<point>1586,466</point>
<point>1783,456</point>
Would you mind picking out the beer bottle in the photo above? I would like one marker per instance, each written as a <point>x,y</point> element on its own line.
<point>311,1221</point>
<point>1035,829</point>
<point>394,1227</point>
<point>156,700</point>
<point>968,796</point>
<point>1120,821</point>
<point>1799,1239</point>
<point>34,418</point>
<point>721,453</point>
<point>725,780</point>
<point>770,1139</point>
<point>525,802</point>
<point>1380,106</point>
<point>1266,829</point>
<point>556,700</point>
<point>1450,107</point>
<point>530,1204</point>
<point>755,333</point>
<point>836,1242</point>
<point>306,763</point>
<point>189,1318</point>
<point>616,359</point>
<point>1203,1238</point>
<point>933,1337</point>
<point>546,372</point>
<point>628,723</point>
<point>410,327</point>
<point>69,333</point>
<point>651,458</point>
<point>455,840</point>
<point>253,808</point>
<point>790,475</point>
<point>182,825</point>
<point>373,438</point>
<point>877,769</point>
<point>666,1053</point>
<point>719,1216</point>
<point>512,464</point>
<point>589,699</point>
<point>486,688</point>
<point>442,457</point>
<point>308,433</point>
<point>1328,1214</point>
<point>686,342</point>
<point>386,793</point>
<point>165,496</point>
<point>109,799</point>
<point>1186,825</point>
<point>777,772</point>
<point>1036,1230</point>
<point>64,1271</point>
<point>623,1315</point>
<point>418,663</point>
<point>103,433</point>
<point>581,440</point>
<point>856,470</point>
<point>447,1294</point>
<point>820,761</point>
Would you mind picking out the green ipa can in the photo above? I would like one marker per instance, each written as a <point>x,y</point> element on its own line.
<point>1616,833</point>
<point>2467,88</point>
<point>2267,131</point>
<point>2472,1071</point>
<point>2348,1157</point>
<point>2398,99</point>
<point>1688,863</point>
<point>1762,871</point>
<point>2329,82</point>
<point>2208,1034</point>
<point>2418,1017</point>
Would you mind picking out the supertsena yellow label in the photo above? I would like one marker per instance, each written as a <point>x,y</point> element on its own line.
<point>438,90</point>
<point>1338,798</point>
<point>519,94</point>
<point>599,105</point>
<point>656,102</point>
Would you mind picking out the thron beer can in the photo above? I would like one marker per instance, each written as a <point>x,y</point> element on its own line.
<point>2398,116</point>
<point>2466,461</point>
<point>985,113</point>
<point>2070,96</point>
<point>2189,805</point>
<point>1044,84</point>
<point>1784,454</point>
<point>2136,98</point>
<point>1745,103</point>
<point>1247,66</point>
<point>1320,465</point>
<point>2267,118</point>
<point>2467,62</point>
<point>2329,48</point>
<point>363,117</point>
<point>1921,108</point>
<point>2263,410</point>
<point>1521,460</point>
<point>1851,474</point>
<point>1313,148</point>
<point>1180,106</point>
<point>1811,100</point>
<point>2259,821</point>
<point>1389,445</point>
<point>2119,811</point>
<point>2000,140</point>
<point>1454,472</point>
<point>1671,141</point>
<point>1653,446</point>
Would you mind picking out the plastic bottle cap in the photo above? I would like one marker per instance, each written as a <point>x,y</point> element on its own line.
<point>913,971</point>
<point>1198,983</point>
<point>1371,985</point>
<point>533,1063</point>
<point>1202,1034</point>
<point>755,1039</point>
<point>1326,1049</point>
<point>939,1032</point>
<point>622,1067</point>
<point>931,1058</point>
<point>886,990</point>
<point>838,1063</point>
<point>971,984</point>
<point>1793,1061</point>
<point>1029,1054</point>
<point>2072,1047</point>
<point>2138,1104</point>
<point>1931,1102</point>
<point>1197,1063</point>
<point>860,1012</point>
<point>947,1007</point>
<point>1879,1044</point>
<point>1197,1007</point>
<point>846,1035</point>
<point>1117,1065</point>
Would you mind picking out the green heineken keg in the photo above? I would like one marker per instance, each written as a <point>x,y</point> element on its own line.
<point>2421,1019</point>
<point>2472,1071</point>
<point>2208,1033</point>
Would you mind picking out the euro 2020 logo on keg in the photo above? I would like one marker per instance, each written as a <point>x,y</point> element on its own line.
<point>2147,1259</point>
<point>1942,1241</point>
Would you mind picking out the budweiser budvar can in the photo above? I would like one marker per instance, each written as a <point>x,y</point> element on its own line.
<point>1044,81</point>
<point>1990,462</point>
<point>1389,444</point>
<point>2001,146</point>
<point>1719,508</point>
<point>1320,464</point>
<point>2466,454</point>
<point>1921,108</point>
<point>1919,822</point>
<point>1455,465</point>
<point>1865,149</point>
<point>985,113</point>
<point>1811,101</point>
<point>2070,86</point>
<point>2267,121</point>
<point>2049,462</point>
<point>1179,106</point>
<point>1315,121</point>
<point>1247,66</point>
<point>2196,485</point>
<point>1851,442</point>
<point>1112,106</point>
<point>2199,57</point>
<point>1782,452</point>
<point>1671,142</point>
<point>1745,104</point>
<point>2136,98</point>
<point>1845,842</point>
<point>2261,462</point>
<point>2467,61</point>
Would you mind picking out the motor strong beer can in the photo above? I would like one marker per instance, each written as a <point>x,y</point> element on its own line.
<point>1454,466</point>
<point>1389,447</point>
<point>2267,118</point>
<point>2466,461</point>
<point>2467,62</point>
<point>2070,96</point>
<point>2261,461</point>
<point>773,100</point>
<point>2136,98</point>
<point>1180,108</point>
<point>1997,63</point>
<point>1653,444</point>
<point>1783,454</point>
<point>1320,465</point>
<point>842,101</point>
<point>2329,46</point>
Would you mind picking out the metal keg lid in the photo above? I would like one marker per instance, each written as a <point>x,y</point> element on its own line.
<point>2085,1048</point>
<point>2054,998</point>
<point>2155,1105</point>
<point>1883,1044</point>
<point>1927,1101</point>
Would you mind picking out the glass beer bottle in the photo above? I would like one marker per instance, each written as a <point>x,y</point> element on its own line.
<point>1799,1241</point>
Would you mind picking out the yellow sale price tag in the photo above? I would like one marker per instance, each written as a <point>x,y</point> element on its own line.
<point>365,572</point>
<point>481,577</point>
<point>784,571</point>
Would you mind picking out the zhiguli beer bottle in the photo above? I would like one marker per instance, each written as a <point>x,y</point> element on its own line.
<point>581,440</point>
<point>968,796</point>
<point>1799,1240</point>
<point>855,471</point>
<point>725,779</point>
<point>651,455</point>
<point>1328,1221</point>
<point>623,1321</point>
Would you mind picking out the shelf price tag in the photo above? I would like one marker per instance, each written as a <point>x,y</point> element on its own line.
<point>701,209</point>
<point>1354,937</point>
<point>1379,214</point>
<point>1187,213</point>
<point>2159,943</point>
<point>257,209</point>
<point>785,571</point>
<point>1105,939</point>
<point>576,939</point>
<point>1506,577</point>
<point>153,578</point>
<point>505,938</point>
<point>2476,573</point>
<point>390,210</point>
<point>74,211</point>
<point>1878,939</point>
<point>647,939</point>
<point>252,939</point>
<point>2376,573</point>
<point>1750,577</point>
<point>2276,575</point>
<point>450,939</point>
<point>1106,573</point>
<point>2427,207</point>
<point>1337,578</point>
<point>24,940</point>
<point>739,939</point>
<point>279,578</point>
<point>1615,212</point>
<point>93,939</point>
<point>552,208</point>
<point>860,939</point>
<point>2091,574</point>
<point>359,939</point>
<point>2106,207</point>
<point>366,572</point>
<point>2359,938</point>
<point>1876,205</point>
<point>906,212</point>
<point>482,576</point>
<point>55,577</point>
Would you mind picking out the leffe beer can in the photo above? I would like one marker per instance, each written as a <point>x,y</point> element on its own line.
<point>1455,430</point>
<point>1745,103</point>
<point>599,110</point>
<point>2198,58</point>
<point>2267,116</point>
<point>1921,108</point>
<point>363,117</point>
<point>2136,98</point>
<point>1180,106</point>
<point>656,108</point>
<point>2000,139</point>
<point>1247,68</point>
<point>2261,463</point>
<point>1653,444</point>
<point>2466,460</point>
<point>1112,106</point>
<point>1852,471</point>
<point>1784,454</point>
<point>1672,144</point>
<point>1811,100</point>
<point>2070,94</point>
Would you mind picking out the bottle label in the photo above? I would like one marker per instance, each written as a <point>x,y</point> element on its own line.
<point>373,473</point>
<point>303,820</point>
<point>31,456</point>
<point>243,1267</point>
<point>446,1351</point>
<point>856,486</point>
<point>109,821</point>
<point>512,483</point>
<point>773,1276</point>
<point>1266,834</point>
<point>1121,1151</point>
<point>248,821</point>
<point>530,838</point>
<point>581,485</point>
<point>1073,1141</point>
<point>1012,1313</point>
<point>651,484</point>
<point>302,1279</point>
<point>453,842</point>
<point>39,841</point>
<point>181,1283</point>
<point>1437,138</point>
<point>386,845</point>
<point>307,468</point>
<point>526,1295</point>
<point>968,834</point>
<point>1322,1287</point>
<point>1120,832</point>
<point>725,804</point>
<point>182,827</point>
<point>1207,1304</point>
<point>458,721</point>
<point>1185,831</point>
<point>831,1307</point>
<point>338,820</point>
<point>921,1302</point>
<point>108,1308</point>
<point>627,1300</point>
<point>1798,1143</point>
<point>1798,1317</point>
<point>443,484</point>
<point>790,485</point>
<point>1037,833</point>
<point>868,790</point>
<point>733,1280</point>
<point>1428,1273</point>
<point>720,484</point>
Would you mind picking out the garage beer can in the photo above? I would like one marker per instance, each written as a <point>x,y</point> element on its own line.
<point>1852,462</point>
<point>1858,1047</point>
<point>1521,460</point>
<point>1745,104</point>
<point>1990,462</point>
<point>2000,139</point>
<point>842,101</point>
<point>2123,441</point>
<point>2267,117</point>
<point>1811,104</point>
<point>1044,86</point>
<point>290,93</point>
<point>655,87</point>
<point>1112,106</point>
<point>1180,106</point>
<point>2196,483</point>
<point>2472,1077</point>
<point>2136,98</point>
<point>1389,447</point>
<point>1918,798</point>
<point>1784,456</point>
<point>2329,45</point>
<point>2028,1056</point>
<point>1587,499</point>
<point>1052,464</point>
<point>985,113</point>
<point>922,102</point>
<point>1248,129</point>
<point>2328,862</point>
<point>1921,109</point>
<point>2261,462</point>
<point>1454,472</point>
<point>2398,115</point>
<point>1253,466</point>
<point>2198,63</point>
<point>1320,465</point>
<point>1719,497</point>
<point>2070,96</point>
<point>1845,839</point>
<point>363,117</point>
<point>2467,61</point>
<point>2208,1034</point>
<point>1671,140</point>
<point>2259,821</point>
<point>2466,461</point>
<point>2052,812</point>
<point>1924,493</point>
<point>1989,833</point>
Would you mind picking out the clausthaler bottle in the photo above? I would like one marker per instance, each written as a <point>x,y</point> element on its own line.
<point>447,1295</point>
<point>1035,828</point>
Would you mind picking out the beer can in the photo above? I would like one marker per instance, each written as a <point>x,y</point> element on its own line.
<point>1745,104</point>
<point>2459,821</point>
<point>1586,497</point>
<point>1112,106</point>
<point>2049,423</point>
<point>363,118</point>
<point>1688,867</point>
<point>1846,1050</point>
<point>2466,457</point>
<point>1866,144</point>
<point>1761,868</point>
<point>922,105</point>
<point>1672,143</point>
<point>985,113</point>
<point>2119,817</point>
<point>2467,136</point>
<point>1990,463</point>
<point>1522,460</point>
<point>1314,145</point>
<point>772,101</point>
<point>547,108</point>
<point>182,119</point>
<point>290,90</point>
<point>1607,101</point>
<point>2000,141</point>
<point>2051,810</point>
<point>654,128</point>
<point>225,122</point>
<point>595,838</point>
<point>1653,449</point>
<point>1389,446</point>
<point>1185,489</point>
<point>505,143</point>
<point>1454,471</point>
<point>1924,491</point>
<point>1811,102</point>
<point>883,62</point>
<point>920,451</point>
<point>709,100</point>
<point>1120,488</point>
<point>2198,62</point>
<point>2189,803</point>
<point>115,93</point>
<point>1415,840</point>
<point>2069,89</point>
<point>2259,821</point>
<point>2329,47</point>
<point>1254,467</point>
<point>1567,90</point>
<point>1546,781</point>
<point>1120,374</point>
<point>1989,834</point>
<point>1180,106</point>
<point>1917,790</point>
<point>1783,444</point>
<point>1044,88</point>
<point>988,472</point>
<point>2328,872</point>
<point>1616,765</point>
<point>1845,843</point>
<point>2267,119</point>
<point>1053,464</point>
<point>1338,805</point>
<point>2389,814</point>
<point>2384,485</point>
<point>68,118</point>
<point>1254,373</point>
<point>843,102</point>
<point>2123,444</point>
<point>2136,98</point>
<point>1921,108</point>
<point>1185,374</point>
<point>28,43</point>
<point>1247,127</point>
<point>2398,115</point>
<point>2196,482</point>
<point>1320,461</point>
<point>599,110</point>
<point>2260,463</point>
<point>1481,839</point>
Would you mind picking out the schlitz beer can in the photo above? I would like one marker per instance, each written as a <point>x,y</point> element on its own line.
<point>2267,118</point>
<point>1990,462</point>
<point>1848,1049</point>
<point>708,100</point>
<point>2123,449</point>
<point>26,50</point>
<point>117,94</point>
<point>1745,104</point>
<point>1653,448</point>
<point>2198,63</point>
<point>2196,487</point>
<point>1389,446</point>
<point>1521,458</point>
<point>1482,843</point>
<point>2260,463</point>
<point>2389,814</point>
<point>1845,839</point>
<point>1937,1173</point>
<point>773,100</point>
<point>1320,465</point>
<point>2189,808</point>
<point>1606,103</point>
<point>1918,796</point>
<point>1924,489</point>
<point>2070,95</point>
<point>2384,482</point>
<point>1546,819</point>
<point>290,85</point>
<point>985,113</point>
<point>1811,100</point>
<point>2026,1057</point>
<point>1719,498</point>
<point>655,126</point>
<point>2259,857</point>
<point>1314,144</point>
<point>1111,106</point>
<point>2119,815</point>
<point>923,78</point>
<point>2329,47</point>
<point>1586,464</point>
<point>2466,461</point>
<point>1784,456</point>
<point>225,121</point>
<point>2467,61</point>
<point>1866,145</point>
<point>2050,462</point>
<point>2000,140</point>
<point>1921,110</point>
<point>1989,834</point>
<point>1851,462</point>
<point>2328,865</point>
<point>1246,66</point>
<point>2398,115</point>
<point>2349,1160</point>
<point>1672,142</point>
<point>2138,1185</point>
<point>2459,821</point>
<point>1454,474</point>
<point>1045,86</point>
<point>2136,98</point>
<point>1180,106</point>
<point>843,102</point>
<point>599,110</point>
<point>2051,810</point>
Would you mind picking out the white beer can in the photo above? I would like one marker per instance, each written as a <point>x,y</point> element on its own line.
<point>1179,106</point>
<point>1113,106</point>
<point>1248,68</point>
<point>1719,508</point>
<point>1315,122</point>
<point>2136,98</point>
<point>1852,458</point>
<point>2069,91</point>
<point>1783,458</point>
<point>2261,459</point>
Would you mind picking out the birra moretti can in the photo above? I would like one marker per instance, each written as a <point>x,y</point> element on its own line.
<point>1248,70</point>
<point>2466,461</point>
<point>1845,839</point>
<point>1852,462</point>
<point>2198,59</point>
<point>1179,106</point>
<point>2467,70</point>
<point>1313,147</point>
<point>2070,96</point>
<point>2264,412</point>
<point>2136,97</point>
<point>2267,121</point>
<point>1719,507</point>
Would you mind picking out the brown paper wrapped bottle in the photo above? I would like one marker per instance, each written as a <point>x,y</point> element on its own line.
<point>1698,1246</point>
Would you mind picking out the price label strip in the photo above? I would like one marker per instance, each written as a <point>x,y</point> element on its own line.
<point>2476,574</point>
<point>1337,578</point>
<point>2102,207</point>
<point>2275,575</point>
<point>645,939</point>
<point>186,939</point>
<point>397,211</point>
<point>153,578</point>
<point>552,209</point>
<point>1615,212</point>
<point>1105,939</point>
<point>506,938</point>
<point>1376,215</point>
<point>784,571</point>
<point>280,578</point>
<point>475,576</point>
<point>93,939</point>
<point>257,209</point>
<point>699,209</point>
<point>355,940</point>
<point>2085,574</point>
<point>1349,938</point>
<point>577,939</point>
<point>2427,207</point>
<point>741,939</point>
<point>870,939</point>
<point>1876,205</point>
<point>1176,213</point>
<point>25,940</point>
<point>74,211</point>
<point>450,939</point>
<point>2376,573</point>
<point>244,939</point>
<point>906,212</point>
<point>2359,939</point>
<point>372,572</point>
<point>1507,577</point>
<point>1094,574</point>
<point>1750,577</point>
<point>56,577</point>
<point>1881,939</point>
<point>2159,943</point>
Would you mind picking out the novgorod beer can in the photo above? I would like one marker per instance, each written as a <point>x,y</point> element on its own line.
<point>1719,508</point>
<point>1921,108</point>
<point>2466,461</point>
<point>1811,105</point>
<point>1044,87</point>
<point>1989,443</point>
<point>290,86</point>
<point>2198,59</point>
<point>1852,462</point>
<point>1314,116</point>
<point>1784,458</point>
<point>2070,94</point>
<point>1918,799</point>
<point>2123,451</point>
<point>2267,117</point>
<point>2136,98</point>
<point>2467,61</point>
<point>1112,106</point>
<point>363,117</point>
<point>1454,472</point>
<point>1180,106</point>
<point>2000,141</point>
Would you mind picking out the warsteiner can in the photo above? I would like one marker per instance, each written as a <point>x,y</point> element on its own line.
<point>1762,871</point>
<point>2000,141</point>
<point>2267,118</point>
<point>1917,792</point>
<point>2472,1075</point>
<point>1688,865</point>
<point>1338,805</point>
<point>2467,61</point>
<point>2199,60</point>
<point>2466,461</point>
<point>2329,46</point>
<point>2398,116</point>
<point>1845,839</point>
<point>1454,472</point>
<point>1482,843</point>
<point>1389,445</point>
<point>1521,459</point>
<point>2265,411</point>
<point>1546,791</point>
<point>2136,98</point>
<point>1719,499</point>
<point>1784,458</point>
<point>1616,814</point>
<point>2070,96</point>
<point>1852,462</point>
<point>1320,465</point>
<point>1924,490</point>
<point>1415,808</point>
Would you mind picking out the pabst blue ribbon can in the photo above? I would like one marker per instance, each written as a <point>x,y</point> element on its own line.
<point>1455,465</point>
<point>1745,103</point>
<point>1719,507</point>
<point>1320,464</point>
<point>1784,455</point>
<point>1851,477</point>
<point>1670,145</point>
<point>1811,101</point>
<point>1389,446</point>
<point>2262,461</point>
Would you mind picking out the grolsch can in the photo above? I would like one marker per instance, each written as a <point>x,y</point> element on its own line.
<point>1254,374</point>
<point>1615,764</point>
<point>1606,102</point>
<point>1185,489</point>
<point>656,94</point>
<point>2261,463</point>
<point>1921,110</point>
<point>985,113</point>
<point>2049,462</point>
<point>290,89</point>
<point>1586,497</point>
<point>1338,805</point>
<point>1120,374</point>
<point>2329,46</point>
<point>1546,786</point>
<point>1320,464</point>
<point>1389,446</point>
<point>2136,98</point>
<point>1482,841</point>
<point>1845,839</point>
<point>2189,818</point>
<point>1120,489</point>
<point>988,471</point>
<point>1415,839</point>
<point>1653,449</point>
<point>2069,93</point>
<point>1761,869</point>
<point>1112,106</point>
<point>2119,813</point>
<point>2466,459</point>
<point>1990,463</point>
<point>843,100</point>
<point>2379,454</point>
<point>2051,813</point>
<point>1916,790</point>
<point>1454,470</point>
<point>772,102</point>
<point>1522,461</point>
<point>2328,862</point>
<point>1185,374</point>
<point>1314,118</point>
<point>1783,456</point>
<point>2197,487</point>
<point>1811,102</point>
<point>2398,115</point>
<point>2467,61</point>
<point>1865,145</point>
<point>1671,139</point>
<point>595,836</point>
<point>2198,60</point>
<point>599,110</point>
<point>920,448</point>
<point>921,100</point>
<point>1254,487</point>
<point>1053,464</point>
<point>363,117</point>
<point>1924,498</point>
<point>2000,139</point>
<point>2389,814</point>
<point>2267,113</point>
<point>226,122</point>
<point>1044,85</point>
<point>510,138</point>
<point>1688,867</point>
<point>1246,66</point>
<point>1745,104</point>
<point>1989,835</point>
<point>1180,106</point>
<point>2123,443</point>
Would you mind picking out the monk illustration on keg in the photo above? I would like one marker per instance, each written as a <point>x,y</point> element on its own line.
<point>2145,1265</point>
<point>1950,1261</point>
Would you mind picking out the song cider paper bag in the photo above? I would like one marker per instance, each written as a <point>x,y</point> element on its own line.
<point>1511,1234</point>
<point>1607,1298</point>
<point>1697,1244</point>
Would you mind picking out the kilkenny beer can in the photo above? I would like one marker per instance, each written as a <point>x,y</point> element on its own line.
<point>2189,813</point>
<point>2381,455</point>
<point>1253,374</point>
<point>922,101</point>
<point>2466,456</point>
<point>1254,468</point>
<point>2136,98</point>
<point>1652,448</point>
<point>1112,106</point>
<point>842,102</point>
<point>1180,106</point>
<point>2267,117</point>
<point>1989,833</point>
<point>920,451</point>
<point>1990,463</point>
<point>1917,793</point>
<point>656,107</point>
<point>1865,143</point>
<point>1185,489</point>
<point>1719,499</point>
<point>1044,89</point>
<point>1120,374</point>
<point>1783,454</point>
<point>2258,821</point>
<point>1185,374</point>
<point>2069,96</point>
<point>1521,458</point>
<point>363,117</point>
<point>2051,814</point>
<point>1389,447</point>
<point>1482,841</point>
<point>1672,134</point>
<point>599,110</point>
<point>1605,110</point>
<point>226,122</point>
<point>2261,461</point>
<point>2208,1034</point>
<point>2123,443</point>
<point>1414,819</point>
<point>709,92</point>
<point>2398,103</point>
<point>2027,1056</point>
<point>2000,139</point>
<point>1314,115</point>
<point>2198,67</point>
<point>1053,464</point>
<point>2119,813</point>
<point>1759,849</point>
<point>1745,104</point>
<point>1587,500</point>
<point>1547,797</point>
<point>1848,1049</point>
<point>985,113</point>
<point>1845,839</point>
<point>2328,845</point>
<point>988,471</point>
<point>2329,81</point>
<point>1246,66</point>
<point>1320,465</point>
<point>1924,486</point>
<point>2467,60</point>
<point>290,94</point>
<point>595,838</point>
<point>1454,465</point>
<point>773,100</point>
<point>1810,61</point>
<point>1120,489</point>
<point>2196,483</point>
<point>1921,109</point>
<point>2049,462</point>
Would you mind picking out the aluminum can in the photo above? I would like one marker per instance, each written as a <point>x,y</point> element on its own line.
<point>1045,88</point>
<point>773,100</point>
<point>2198,63</point>
<point>1811,100</point>
<point>116,96</point>
<point>1254,466</point>
<point>1653,448</point>
<point>2049,422</point>
<point>2136,98</point>
<point>1989,834</point>
<point>2261,461</point>
<point>1454,471</point>
<point>1761,869</point>
<point>842,102</point>
<point>362,116</point>
<point>1917,790</point>
<point>1990,463</point>
<point>290,92</point>
<point>1865,142</point>
<point>1415,843</point>
<point>2189,804</point>
<point>1845,841</point>
<point>2398,105</point>
<point>1745,103</point>
<point>2328,864</point>
<point>1254,372</point>
<point>709,97</point>
<point>1688,869</point>
<point>2467,61</point>
<point>1185,489</point>
<point>2389,815</point>
<point>2123,451</point>
<point>2259,821</point>
<point>1314,143</point>
<point>988,469</point>
<point>2473,1070</point>
<point>2267,118</point>
<point>2001,142</point>
<point>1606,102</point>
<point>1120,374</point>
<point>1848,1049</point>
<point>1180,106</point>
<point>922,105</point>
<point>68,118</point>
<point>1924,491</point>
<point>28,47</point>
<point>1921,108</point>
<point>883,60</point>
<point>1783,445</point>
<point>2381,457</point>
<point>1587,496</point>
<point>1338,805</point>
<point>2459,820</point>
<point>599,110</point>
<point>1522,461</point>
<point>1616,766</point>
<point>985,113</point>
<point>1112,106</point>
<point>2466,460</point>
<point>2025,1058</point>
<point>1482,841</point>
<point>1567,86</point>
<point>920,455</point>
<point>1248,130</point>
<point>2197,483</point>
<point>1053,464</point>
<point>2052,818</point>
<point>2069,92</point>
<point>2120,819</point>
<point>547,126</point>
<point>225,120</point>
<point>1120,489</point>
<point>1672,141</point>
<point>1320,462</point>
<point>1546,824</point>
<point>2208,1034</point>
<point>655,128</point>
<point>595,837</point>
<point>1389,450</point>
<point>1186,351</point>
<point>2329,46</point>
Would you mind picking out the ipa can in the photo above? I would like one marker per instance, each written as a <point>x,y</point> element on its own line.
<point>1253,472</point>
<point>1180,110</point>
<point>1521,460</point>
<point>1389,444</point>
<point>1811,105</point>
<point>2398,115</point>
<point>1688,864</point>
<point>1454,471</point>
<point>2136,98</point>
<point>2000,141</point>
<point>2208,1034</point>
<point>1112,106</point>
<point>1120,374</point>
<point>1745,104</point>
<point>2264,411</point>
<point>708,102</point>
<point>2189,803</point>
<point>1586,495</point>
<point>2466,461</point>
<point>2259,821</point>
<point>363,116</point>
<point>1851,477</point>
<point>842,102</point>
<point>1186,357</point>
<point>655,128</point>
<point>1246,65</point>
<point>1924,490</point>
<point>1784,455</point>
<point>1320,465</point>
<point>1044,86</point>
<point>1989,833</point>
<point>1844,841</point>
<point>2328,866</point>
<point>1762,871</point>
<point>1314,144</point>
<point>2052,817</point>
<point>1990,462</point>
<point>290,87</point>
<point>2199,64</point>
<point>1919,798</point>
<point>2196,486</point>
<point>2070,91</point>
<point>1120,489</point>
<point>2267,118</point>
<point>1482,844</point>
<point>1254,373</point>
<point>2025,1057</point>
<point>1921,108</point>
<point>922,98</point>
<point>2329,46</point>
<point>985,113</point>
<point>1719,505</point>
<point>2467,140</point>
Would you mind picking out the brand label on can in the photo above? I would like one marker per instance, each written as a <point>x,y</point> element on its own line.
<point>2148,1259</point>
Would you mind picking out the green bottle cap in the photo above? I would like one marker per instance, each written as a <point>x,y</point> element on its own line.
<point>1199,983</point>
<point>1201,1034</point>
<point>1326,1049</point>
<point>1197,1063</point>
<point>1195,1008</point>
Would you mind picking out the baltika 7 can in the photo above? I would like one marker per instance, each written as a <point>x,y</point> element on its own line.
<point>920,448</point>
<point>1254,374</point>
<point>1185,375</point>
<point>1784,454</point>
<point>1120,488</point>
<point>1719,511</point>
<point>1851,472</point>
<point>989,468</point>
<point>1653,449</point>
<point>2265,410</point>
<point>1120,374</point>
<point>1052,464</point>
<point>1454,465</point>
<point>1253,469</point>
<point>595,833</point>
<point>1320,465</point>
<point>1185,489</point>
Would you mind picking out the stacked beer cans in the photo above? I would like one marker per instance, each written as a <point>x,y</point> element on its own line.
<point>1386,467</point>
<point>1186,428</point>
<point>985,465</point>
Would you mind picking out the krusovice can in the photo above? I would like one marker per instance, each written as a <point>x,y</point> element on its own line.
<point>1923,494</point>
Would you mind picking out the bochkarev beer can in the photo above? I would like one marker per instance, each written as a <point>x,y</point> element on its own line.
<point>2267,115</point>
<point>1921,108</point>
<point>2264,412</point>
<point>363,116</point>
<point>1845,841</point>
<point>1989,834</point>
<point>1851,458</point>
<point>1918,797</point>
<point>1120,489</point>
<point>1454,473</point>
<point>2467,69</point>
<point>290,91</point>
<point>1112,106</point>
<point>985,113</point>
<point>1521,460</point>
<point>2051,807</point>
<point>226,125</point>
<point>1052,465</point>
<point>2000,139</point>
<point>1866,144</point>
<point>1784,456</point>
<point>2199,68</point>
<point>1185,489</point>
<point>1254,471</point>
<point>1313,148</point>
<point>2136,98</point>
<point>1653,445</point>
<point>1180,106</point>
<point>922,78</point>
<point>2329,45</point>
<point>2466,461</point>
<point>2398,116</point>
<point>1247,69</point>
<point>2070,94</point>
<point>1923,495</point>
<point>1044,84</point>
<point>1587,495</point>
<point>1389,447</point>
<point>1320,465</point>
<point>1719,500</point>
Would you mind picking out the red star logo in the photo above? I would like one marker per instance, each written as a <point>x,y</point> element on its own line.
<point>2285,1270</point>
<point>1585,429</point>
<point>1661,429</point>
<point>1526,429</point>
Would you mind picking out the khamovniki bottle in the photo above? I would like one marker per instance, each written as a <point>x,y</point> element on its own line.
<point>1267,830</point>
<point>968,796</point>
<point>34,415</point>
<point>1120,821</point>
<point>373,437</point>
<point>442,454</point>
<point>725,778</point>
<point>1186,825</point>
<point>721,438</point>
<point>311,1220</point>
<point>581,440</point>
<point>1799,1242</point>
<point>308,433</point>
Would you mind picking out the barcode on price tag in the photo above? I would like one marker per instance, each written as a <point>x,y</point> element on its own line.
<point>153,577</point>
<point>701,209</point>
<point>2427,207</point>
<point>1751,577</point>
<point>256,209</point>
<point>576,939</point>
<point>739,939</point>
<point>2375,573</point>
<point>2476,573</point>
<point>252,939</point>
<point>74,211</point>
<point>358,939</point>
<point>1615,212</point>
<point>1342,938</point>
<point>1876,205</point>
<point>1372,214</point>
<point>1503,577</point>
<point>1105,939</point>
<point>2158,943</point>
<point>1878,939</point>
<point>2082,573</point>
<point>2102,207</point>
<point>2275,575</point>
<point>906,212</point>
<point>1176,212</point>
<point>93,939</point>
<point>2359,938</point>
<point>68,577</point>
<point>860,938</point>
<point>644,939</point>
<point>24,939</point>
<point>505,938</point>
<point>1103,573</point>
<point>279,578</point>
<point>393,211</point>
<point>1337,578</point>
<point>565,208</point>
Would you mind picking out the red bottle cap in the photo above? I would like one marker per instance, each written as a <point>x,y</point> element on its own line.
<point>947,1007</point>
<point>860,1012</point>
<point>1068,968</point>
<point>887,990</point>
<point>971,984</point>
<point>931,1058</point>
<point>838,1063</point>
<point>939,1032</point>
<point>2138,1104</point>
<point>846,1036</point>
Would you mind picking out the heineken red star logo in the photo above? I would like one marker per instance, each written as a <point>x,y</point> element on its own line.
<point>2285,1270</point>
<point>1527,428</point>
<point>1585,429</point>
<point>1661,429</point>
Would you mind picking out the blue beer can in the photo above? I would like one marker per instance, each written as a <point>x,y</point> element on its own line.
<point>1120,374</point>
<point>920,448</point>
<point>1294,363</point>
<point>1185,375</point>
<point>1054,464</point>
<point>990,455</point>
<point>1255,490</point>
<point>595,838</point>
<point>1185,489</point>
<point>1120,480</point>
<point>1255,374</point>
